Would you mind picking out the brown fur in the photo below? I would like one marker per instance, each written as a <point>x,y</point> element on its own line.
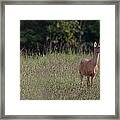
<point>89,67</point>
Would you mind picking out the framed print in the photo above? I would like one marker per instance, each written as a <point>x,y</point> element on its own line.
<point>60,59</point>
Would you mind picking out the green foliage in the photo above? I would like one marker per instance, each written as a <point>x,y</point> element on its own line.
<point>71,32</point>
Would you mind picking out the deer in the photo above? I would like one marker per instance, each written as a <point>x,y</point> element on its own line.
<point>90,67</point>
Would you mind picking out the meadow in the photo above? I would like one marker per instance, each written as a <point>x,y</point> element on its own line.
<point>55,77</point>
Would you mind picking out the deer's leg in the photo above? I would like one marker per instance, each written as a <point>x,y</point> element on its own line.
<point>92,78</point>
<point>91,81</point>
<point>81,77</point>
<point>88,82</point>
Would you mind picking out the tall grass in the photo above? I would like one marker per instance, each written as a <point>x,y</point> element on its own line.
<point>55,77</point>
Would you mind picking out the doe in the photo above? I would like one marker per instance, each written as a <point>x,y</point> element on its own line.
<point>89,67</point>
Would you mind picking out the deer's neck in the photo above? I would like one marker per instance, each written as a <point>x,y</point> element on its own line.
<point>96,58</point>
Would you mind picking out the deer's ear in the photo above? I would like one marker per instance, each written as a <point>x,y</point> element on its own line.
<point>95,44</point>
<point>99,45</point>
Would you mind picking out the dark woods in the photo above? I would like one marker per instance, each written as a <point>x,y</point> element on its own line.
<point>41,37</point>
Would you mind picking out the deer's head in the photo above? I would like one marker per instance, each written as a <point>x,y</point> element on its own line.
<point>96,48</point>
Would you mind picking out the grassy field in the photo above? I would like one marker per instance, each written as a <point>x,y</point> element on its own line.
<point>55,77</point>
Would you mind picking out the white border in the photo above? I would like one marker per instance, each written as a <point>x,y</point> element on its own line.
<point>15,13</point>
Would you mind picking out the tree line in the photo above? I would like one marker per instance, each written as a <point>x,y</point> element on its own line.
<point>40,37</point>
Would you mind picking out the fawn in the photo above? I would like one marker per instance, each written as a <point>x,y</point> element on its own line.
<point>89,67</point>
